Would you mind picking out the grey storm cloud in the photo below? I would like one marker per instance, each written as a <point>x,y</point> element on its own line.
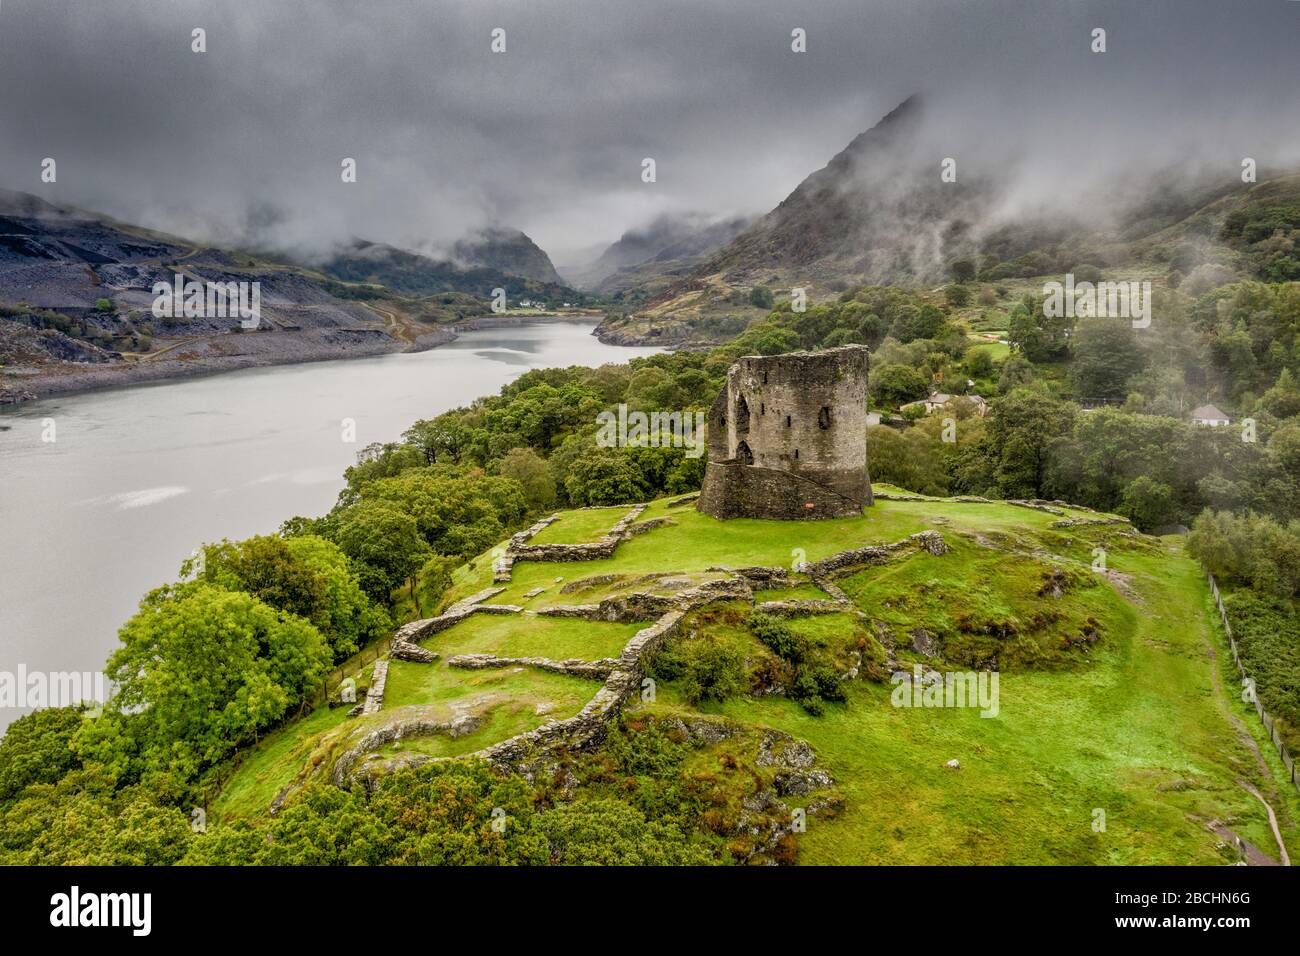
<point>243,144</point>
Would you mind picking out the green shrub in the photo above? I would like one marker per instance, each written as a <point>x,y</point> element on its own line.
<point>813,677</point>
<point>706,669</point>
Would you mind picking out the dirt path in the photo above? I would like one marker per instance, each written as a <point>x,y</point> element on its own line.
<point>1251,854</point>
<point>1272,820</point>
<point>399,325</point>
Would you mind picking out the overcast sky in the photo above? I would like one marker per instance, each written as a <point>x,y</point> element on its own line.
<point>244,142</point>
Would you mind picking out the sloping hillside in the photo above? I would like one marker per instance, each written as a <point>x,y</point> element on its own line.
<point>1111,737</point>
<point>76,299</point>
<point>409,273</point>
<point>879,214</point>
<point>645,261</point>
<point>507,250</point>
<point>76,306</point>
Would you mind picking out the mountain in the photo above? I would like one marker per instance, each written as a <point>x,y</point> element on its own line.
<point>411,273</point>
<point>76,306</point>
<point>879,213</point>
<point>671,245</point>
<point>876,212</point>
<point>506,250</point>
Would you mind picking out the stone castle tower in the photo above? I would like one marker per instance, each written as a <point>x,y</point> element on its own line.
<point>788,437</point>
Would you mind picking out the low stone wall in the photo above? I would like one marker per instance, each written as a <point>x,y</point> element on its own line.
<point>595,580</point>
<point>573,666</point>
<point>622,676</point>
<point>1035,504</point>
<point>834,590</point>
<point>644,606</point>
<point>588,726</point>
<point>758,577</point>
<point>405,643</point>
<point>799,608</point>
<point>496,609</point>
<point>502,567</point>
<point>587,551</point>
<point>603,547</point>
<point>947,499</point>
<point>931,541</point>
<point>622,681</point>
<point>375,695</point>
<point>1087,522</point>
<point>641,527</point>
<point>1054,506</point>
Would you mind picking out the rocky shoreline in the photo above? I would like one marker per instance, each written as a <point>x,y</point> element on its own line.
<point>210,356</point>
<point>674,339</point>
<point>74,378</point>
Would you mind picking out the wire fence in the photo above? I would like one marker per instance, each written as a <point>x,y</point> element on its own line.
<point>352,667</point>
<point>1270,725</point>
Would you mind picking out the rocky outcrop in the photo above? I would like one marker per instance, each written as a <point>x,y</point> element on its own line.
<point>759,577</point>
<point>923,642</point>
<point>397,729</point>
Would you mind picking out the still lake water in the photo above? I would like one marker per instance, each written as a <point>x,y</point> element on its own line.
<point>139,476</point>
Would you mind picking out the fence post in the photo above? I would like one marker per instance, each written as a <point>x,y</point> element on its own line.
<point>1270,725</point>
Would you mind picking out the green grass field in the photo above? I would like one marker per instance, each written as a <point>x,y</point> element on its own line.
<point>580,527</point>
<point>1118,734</point>
<point>1138,733</point>
<point>508,635</point>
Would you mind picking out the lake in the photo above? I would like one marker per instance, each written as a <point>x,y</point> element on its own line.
<point>138,477</point>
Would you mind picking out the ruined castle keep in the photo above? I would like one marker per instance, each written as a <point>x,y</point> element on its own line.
<point>788,438</point>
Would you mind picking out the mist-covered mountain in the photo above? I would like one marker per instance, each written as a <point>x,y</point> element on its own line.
<point>670,245</point>
<point>506,250</point>
<point>77,306</point>
<point>411,273</point>
<point>880,212</point>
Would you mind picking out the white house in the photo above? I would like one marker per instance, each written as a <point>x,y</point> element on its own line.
<point>940,399</point>
<point>1210,415</point>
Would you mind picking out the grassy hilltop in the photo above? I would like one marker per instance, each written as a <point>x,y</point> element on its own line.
<point>1114,696</point>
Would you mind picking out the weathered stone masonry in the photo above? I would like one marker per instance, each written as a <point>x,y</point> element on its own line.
<point>788,438</point>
